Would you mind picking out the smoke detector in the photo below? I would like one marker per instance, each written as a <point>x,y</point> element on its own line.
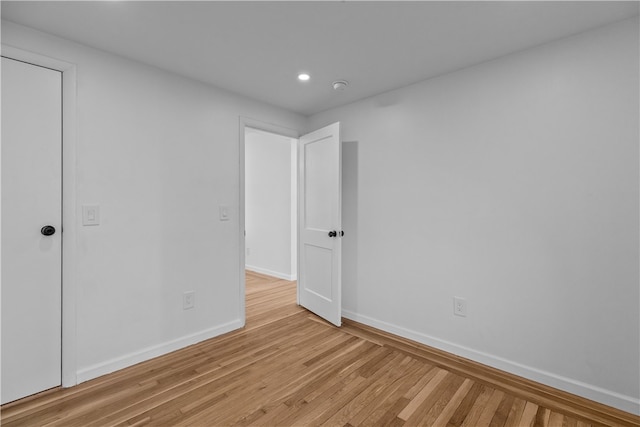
<point>340,84</point>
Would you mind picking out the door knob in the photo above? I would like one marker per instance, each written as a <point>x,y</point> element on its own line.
<point>333,233</point>
<point>48,230</point>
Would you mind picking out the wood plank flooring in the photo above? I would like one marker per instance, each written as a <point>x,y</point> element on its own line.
<point>288,367</point>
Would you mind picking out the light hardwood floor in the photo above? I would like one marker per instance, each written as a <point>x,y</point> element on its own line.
<point>288,367</point>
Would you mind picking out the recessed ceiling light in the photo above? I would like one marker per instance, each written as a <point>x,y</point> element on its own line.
<point>303,77</point>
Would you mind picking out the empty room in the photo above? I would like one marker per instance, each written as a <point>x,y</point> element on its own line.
<point>335,213</point>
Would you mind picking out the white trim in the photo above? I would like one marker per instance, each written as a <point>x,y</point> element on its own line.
<point>69,206</point>
<point>284,276</point>
<point>598,394</point>
<point>244,123</point>
<point>148,353</point>
<point>294,209</point>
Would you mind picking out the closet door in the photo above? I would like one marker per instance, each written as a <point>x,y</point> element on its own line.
<point>31,228</point>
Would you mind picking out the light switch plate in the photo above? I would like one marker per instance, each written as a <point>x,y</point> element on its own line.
<point>90,215</point>
<point>224,213</point>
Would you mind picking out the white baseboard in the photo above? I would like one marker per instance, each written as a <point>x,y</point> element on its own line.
<point>289,277</point>
<point>130,359</point>
<point>588,391</point>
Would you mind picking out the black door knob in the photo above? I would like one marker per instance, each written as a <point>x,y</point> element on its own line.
<point>48,230</point>
<point>333,233</point>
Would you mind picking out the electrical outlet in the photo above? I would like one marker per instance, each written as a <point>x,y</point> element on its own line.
<point>188,300</point>
<point>248,251</point>
<point>460,306</point>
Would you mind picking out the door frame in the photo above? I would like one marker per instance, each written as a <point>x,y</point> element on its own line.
<point>69,206</point>
<point>246,122</point>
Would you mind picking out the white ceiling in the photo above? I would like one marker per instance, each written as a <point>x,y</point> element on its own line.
<point>258,48</point>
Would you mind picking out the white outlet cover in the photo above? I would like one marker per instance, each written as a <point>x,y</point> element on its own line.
<point>459,306</point>
<point>188,300</point>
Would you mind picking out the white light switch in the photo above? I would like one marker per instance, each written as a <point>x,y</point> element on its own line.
<point>224,213</point>
<point>90,215</point>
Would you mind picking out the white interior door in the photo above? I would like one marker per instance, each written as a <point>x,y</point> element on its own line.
<point>31,200</point>
<point>320,223</point>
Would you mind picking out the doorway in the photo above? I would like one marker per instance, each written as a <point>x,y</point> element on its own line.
<point>248,125</point>
<point>319,171</point>
<point>271,204</point>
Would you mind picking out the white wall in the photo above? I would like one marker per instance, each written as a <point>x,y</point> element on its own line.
<point>513,184</point>
<point>159,154</point>
<point>268,201</point>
